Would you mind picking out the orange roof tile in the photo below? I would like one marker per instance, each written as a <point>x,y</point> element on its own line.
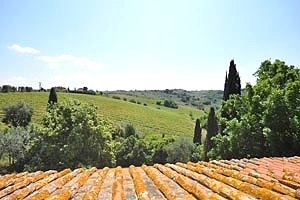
<point>265,178</point>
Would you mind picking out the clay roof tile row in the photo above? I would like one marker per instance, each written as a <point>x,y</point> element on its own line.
<point>264,178</point>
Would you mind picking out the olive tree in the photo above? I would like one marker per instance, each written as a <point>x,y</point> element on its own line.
<point>18,114</point>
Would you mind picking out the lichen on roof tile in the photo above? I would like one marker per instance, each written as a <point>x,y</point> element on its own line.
<point>254,178</point>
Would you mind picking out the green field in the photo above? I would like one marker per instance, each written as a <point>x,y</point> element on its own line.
<point>147,119</point>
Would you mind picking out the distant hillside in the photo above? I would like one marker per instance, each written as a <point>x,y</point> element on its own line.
<point>145,115</point>
<point>202,99</point>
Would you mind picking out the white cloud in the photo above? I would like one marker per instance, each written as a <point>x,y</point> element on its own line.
<point>77,61</point>
<point>21,49</point>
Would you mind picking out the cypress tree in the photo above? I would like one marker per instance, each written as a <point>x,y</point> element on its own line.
<point>52,96</point>
<point>232,82</point>
<point>232,86</point>
<point>212,130</point>
<point>197,132</point>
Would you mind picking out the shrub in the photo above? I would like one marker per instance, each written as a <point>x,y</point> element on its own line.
<point>180,151</point>
<point>132,101</point>
<point>116,97</point>
<point>18,114</point>
<point>170,104</point>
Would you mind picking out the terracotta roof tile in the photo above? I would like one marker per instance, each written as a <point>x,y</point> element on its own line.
<point>264,178</point>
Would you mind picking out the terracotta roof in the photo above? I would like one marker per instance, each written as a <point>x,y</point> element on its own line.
<point>265,178</point>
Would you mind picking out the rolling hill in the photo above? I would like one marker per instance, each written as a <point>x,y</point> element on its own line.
<point>147,117</point>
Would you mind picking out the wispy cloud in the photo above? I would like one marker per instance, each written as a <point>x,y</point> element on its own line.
<point>77,61</point>
<point>21,49</point>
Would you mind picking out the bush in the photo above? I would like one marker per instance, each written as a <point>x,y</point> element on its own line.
<point>18,114</point>
<point>180,150</point>
<point>170,104</point>
<point>91,92</point>
<point>116,97</point>
<point>131,151</point>
<point>124,130</point>
<point>132,101</point>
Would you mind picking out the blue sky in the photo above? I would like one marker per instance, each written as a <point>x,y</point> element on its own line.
<point>111,45</point>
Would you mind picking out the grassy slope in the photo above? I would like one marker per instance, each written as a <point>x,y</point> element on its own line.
<point>146,119</point>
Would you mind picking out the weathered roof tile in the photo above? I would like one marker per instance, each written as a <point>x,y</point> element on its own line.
<point>264,178</point>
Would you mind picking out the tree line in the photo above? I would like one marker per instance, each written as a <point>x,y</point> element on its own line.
<point>9,88</point>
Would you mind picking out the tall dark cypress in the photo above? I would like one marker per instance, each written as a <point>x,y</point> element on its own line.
<point>232,86</point>
<point>212,130</point>
<point>232,82</point>
<point>52,96</point>
<point>197,132</point>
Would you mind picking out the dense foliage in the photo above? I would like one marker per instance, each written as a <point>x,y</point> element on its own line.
<point>18,114</point>
<point>72,135</point>
<point>129,149</point>
<point>265,119</point>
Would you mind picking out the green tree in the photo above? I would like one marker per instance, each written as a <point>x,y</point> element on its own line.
<point>15,144</point>
<point>197,153</point>
<point>277,124</point>
<point>232,87</point>
<point>73,135</point>
<point>180,150</point>
<point>264,121</point>
<point>8,88</point>
<point>197,132</point>
<point>131,151</point>
<point>129,148</point>
<point>124,130</point>
<point>232,82</point>
<point>28,89</point>
<point>18,114</point>
<point>212,130</point>
<point>278,86</point>
<point>52,97</point>
<point>159,148</point>
<point>160,155</point>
